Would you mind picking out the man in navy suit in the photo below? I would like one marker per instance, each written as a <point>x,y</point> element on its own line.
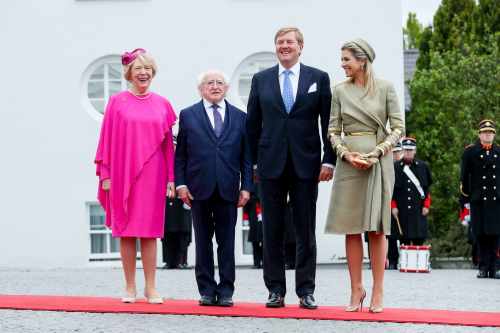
<point>212,159</point>
<point>284,107</point>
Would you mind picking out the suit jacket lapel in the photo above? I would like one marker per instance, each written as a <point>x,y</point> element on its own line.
<point>276,89</point>
<point>304,82</point>
<point>203,119</point>
<point>227,121</point>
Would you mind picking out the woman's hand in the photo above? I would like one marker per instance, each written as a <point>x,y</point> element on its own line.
<point>171,190</point>
<point>355,159</point>
<point>106,184</point>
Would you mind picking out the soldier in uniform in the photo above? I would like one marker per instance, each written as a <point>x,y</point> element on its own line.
<point>252,213</point>
<point>411,198</point>
<point>480,184</point>
<point>392,239</point>
<point>177,234</point>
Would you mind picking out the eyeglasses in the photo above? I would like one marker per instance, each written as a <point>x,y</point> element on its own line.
<point>213,83</point>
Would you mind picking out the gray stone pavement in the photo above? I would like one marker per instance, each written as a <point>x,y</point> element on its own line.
<point>441,289</point>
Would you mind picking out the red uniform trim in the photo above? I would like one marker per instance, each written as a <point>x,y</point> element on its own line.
<point>427,201</point>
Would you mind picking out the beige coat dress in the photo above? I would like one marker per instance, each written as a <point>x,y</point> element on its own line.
<point>360,199</point>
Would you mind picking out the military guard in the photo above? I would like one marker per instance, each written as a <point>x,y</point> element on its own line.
<point>480,184</point>
<point>392,239</point>
<point>411,199</point>
<point>177,234</point>
<point>252,214</point>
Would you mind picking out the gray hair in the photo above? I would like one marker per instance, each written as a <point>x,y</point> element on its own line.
<point>203,76</point>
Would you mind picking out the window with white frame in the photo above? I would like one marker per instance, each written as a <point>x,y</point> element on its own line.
<point>102,244</point>
<point>101,79</point>
<point>242,78</point>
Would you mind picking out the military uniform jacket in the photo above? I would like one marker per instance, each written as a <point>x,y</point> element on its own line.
<point>255,233</point>
<point>480,184</point>
<point>408,199</point>
<point>177,217</point>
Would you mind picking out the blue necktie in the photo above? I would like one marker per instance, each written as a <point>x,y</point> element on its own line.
<point>287,91</point>
<point>217,120</point>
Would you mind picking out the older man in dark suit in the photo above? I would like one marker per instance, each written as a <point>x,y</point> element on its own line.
<point>213,174</point>
<point>284,108</point>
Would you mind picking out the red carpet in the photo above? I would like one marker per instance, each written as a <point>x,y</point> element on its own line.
<point>184,307</point>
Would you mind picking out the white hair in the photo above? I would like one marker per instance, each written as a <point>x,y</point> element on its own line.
<point>203,76</point>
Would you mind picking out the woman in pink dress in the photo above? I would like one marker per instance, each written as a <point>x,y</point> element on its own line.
<point>134,161</point>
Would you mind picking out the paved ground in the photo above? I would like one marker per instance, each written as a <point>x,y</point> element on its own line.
<point>441,289</point>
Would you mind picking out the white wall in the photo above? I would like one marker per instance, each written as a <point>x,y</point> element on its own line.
<point>48,140</point>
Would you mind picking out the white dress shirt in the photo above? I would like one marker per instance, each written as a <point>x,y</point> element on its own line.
<point>294,78</point>
<point>210,111</point>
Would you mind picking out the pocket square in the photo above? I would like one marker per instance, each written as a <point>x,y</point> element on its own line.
<point>312,88</point>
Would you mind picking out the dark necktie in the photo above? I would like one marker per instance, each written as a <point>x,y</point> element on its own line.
<point>217,120</point>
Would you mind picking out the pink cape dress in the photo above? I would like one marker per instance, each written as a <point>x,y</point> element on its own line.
<point>136,153</point>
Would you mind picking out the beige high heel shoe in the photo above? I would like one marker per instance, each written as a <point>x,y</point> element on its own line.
<point>153,299</point>
<point>376,308</point>
<point>129,297</point>
<point>357,307</point>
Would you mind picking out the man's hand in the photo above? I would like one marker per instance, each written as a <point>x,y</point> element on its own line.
<point>244,197</point>
<point>106,184</point>
<point>171,190</point>
<point>184,194</point>
<point>326,174</point>
<point>395,212</point>
<point>425,211</point>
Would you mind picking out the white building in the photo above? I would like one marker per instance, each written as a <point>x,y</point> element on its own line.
<point>60,61</point>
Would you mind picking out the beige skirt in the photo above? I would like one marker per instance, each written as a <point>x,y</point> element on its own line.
<point>355,203</point>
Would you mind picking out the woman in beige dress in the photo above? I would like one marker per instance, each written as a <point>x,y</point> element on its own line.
<point>362,107</point>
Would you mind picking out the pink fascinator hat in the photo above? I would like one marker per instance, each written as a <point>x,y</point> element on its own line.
<point>129,57</point>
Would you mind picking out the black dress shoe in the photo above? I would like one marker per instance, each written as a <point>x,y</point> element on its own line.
<point>275,300</point>
<point>482,274</point>
<point>207,300</point>
<point>225,301</point>
<point>392,266</point>
<point>308,302</point>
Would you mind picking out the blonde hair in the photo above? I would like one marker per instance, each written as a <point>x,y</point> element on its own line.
<point>146,59</point>
<point>285,30</point>
<point>360,54</point>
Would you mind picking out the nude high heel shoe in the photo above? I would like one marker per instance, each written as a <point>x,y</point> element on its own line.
<point>153,299</point>
<point>357,307</point>
<point>376,308</point>
<point>129,297</point>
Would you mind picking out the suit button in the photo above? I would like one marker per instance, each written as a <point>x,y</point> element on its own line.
<point>484,187</point>
<point>409,198</point>
<point>409,207</point>
<point>494,176</point>
<point>484,177</point>
<point>494,198</point>
<point>494,187</point>
<point>484,198</point>
<point>409,190</point>
<point>408,180</point>
<point>494,166</point>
